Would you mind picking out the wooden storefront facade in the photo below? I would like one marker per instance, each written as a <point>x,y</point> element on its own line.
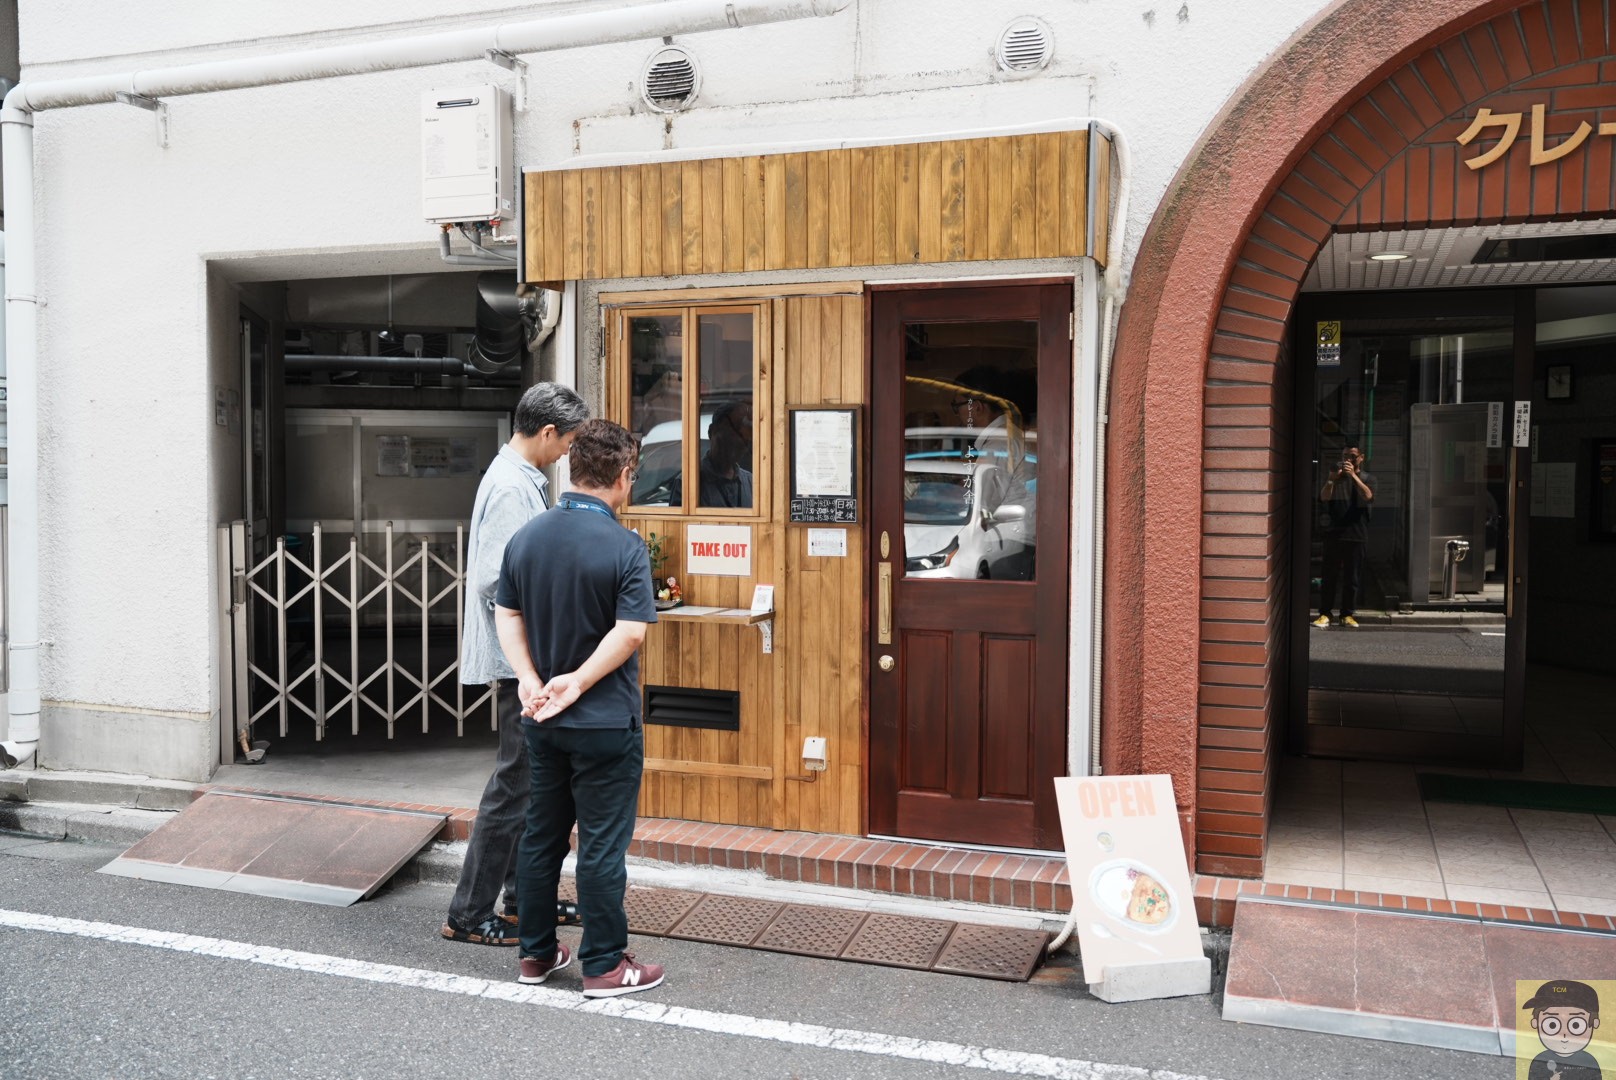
<point>1021,206</point>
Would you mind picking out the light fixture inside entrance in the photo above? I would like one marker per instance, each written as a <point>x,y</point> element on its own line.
<point>1389,256</point>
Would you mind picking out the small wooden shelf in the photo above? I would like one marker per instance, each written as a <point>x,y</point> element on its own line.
<point>733,616</point>
<point>709,768</point>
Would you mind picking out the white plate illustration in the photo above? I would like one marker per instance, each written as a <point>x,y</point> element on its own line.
<point>1126,888</point>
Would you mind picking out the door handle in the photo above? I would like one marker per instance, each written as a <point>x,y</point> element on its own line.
<point>886,663</point>
<point>883,604</point>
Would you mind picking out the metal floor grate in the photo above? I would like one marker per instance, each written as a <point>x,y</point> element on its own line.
<point>940,945</point>
<point>899,941</point>
<point>656,911</point>
<point>992,952</point>
<point>726,920</point>
<point>810,931</point>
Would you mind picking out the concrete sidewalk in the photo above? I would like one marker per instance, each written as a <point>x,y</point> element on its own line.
<point>110,808</point>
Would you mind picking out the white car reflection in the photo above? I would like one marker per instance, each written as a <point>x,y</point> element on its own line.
<point>966,519</point>
<point>662,460</point>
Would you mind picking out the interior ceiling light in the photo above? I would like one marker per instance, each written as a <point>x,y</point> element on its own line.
<point>1389,256</point>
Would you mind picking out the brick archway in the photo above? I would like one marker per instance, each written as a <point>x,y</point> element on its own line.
<point>1352,126</point>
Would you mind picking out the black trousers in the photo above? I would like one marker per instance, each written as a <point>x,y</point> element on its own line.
<point>491,856</point>
<point>589,777</point>
<point>1343,567</point>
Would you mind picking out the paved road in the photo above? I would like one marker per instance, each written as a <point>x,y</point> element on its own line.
<point>1430,659</point>
<point>271,988</point>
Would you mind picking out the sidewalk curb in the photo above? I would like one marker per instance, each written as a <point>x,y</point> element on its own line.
<point>439,864</point>
<point>90,789</point>
<point>81,821</point>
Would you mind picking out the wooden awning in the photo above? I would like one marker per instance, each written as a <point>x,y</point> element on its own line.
<point>963,200</point>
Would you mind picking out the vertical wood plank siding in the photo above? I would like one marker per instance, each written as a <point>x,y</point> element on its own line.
<point>1012,197</point>
<point>813,682</point>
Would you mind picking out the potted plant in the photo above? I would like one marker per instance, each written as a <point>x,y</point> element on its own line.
<point>668,593</point>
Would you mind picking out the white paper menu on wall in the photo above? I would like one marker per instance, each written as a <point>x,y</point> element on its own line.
<point>824,452</point>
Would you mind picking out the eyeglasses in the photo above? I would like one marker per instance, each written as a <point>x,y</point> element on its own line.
<point>633,472</point>
<point>964,402</point>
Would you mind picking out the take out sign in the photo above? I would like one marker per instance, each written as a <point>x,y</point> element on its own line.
<point>720,550</point>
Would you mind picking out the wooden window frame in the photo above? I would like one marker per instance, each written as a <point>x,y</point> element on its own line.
<point>619,398</point>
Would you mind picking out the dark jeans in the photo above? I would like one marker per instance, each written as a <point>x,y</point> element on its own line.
<point>1343,566</point>
<point>591,777</point>
<point>491,856</point>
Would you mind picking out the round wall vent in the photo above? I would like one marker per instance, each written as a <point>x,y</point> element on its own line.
<point>670,80</point>
<point>1025,45</point>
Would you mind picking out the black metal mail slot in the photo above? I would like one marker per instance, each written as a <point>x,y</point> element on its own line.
<point>681,707</point>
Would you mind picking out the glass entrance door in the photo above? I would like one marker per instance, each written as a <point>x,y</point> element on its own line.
<point>1408,568</point>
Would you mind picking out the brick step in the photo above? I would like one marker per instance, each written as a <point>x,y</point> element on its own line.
<point>1032,883</point>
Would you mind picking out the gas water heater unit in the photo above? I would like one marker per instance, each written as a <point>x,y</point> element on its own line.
<point>466,157</point>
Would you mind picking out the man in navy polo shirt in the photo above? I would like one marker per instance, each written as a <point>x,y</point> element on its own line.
<point>572,607</point>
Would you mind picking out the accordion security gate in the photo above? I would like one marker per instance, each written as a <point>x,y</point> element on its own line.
<point>344,640</point>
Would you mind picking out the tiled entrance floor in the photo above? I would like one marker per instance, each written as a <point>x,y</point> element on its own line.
<point>1362,826</point>
<point>1405,978</point>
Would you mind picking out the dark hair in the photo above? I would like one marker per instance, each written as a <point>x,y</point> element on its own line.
<point>723,417</point>
<point>549,403</point>
<point>601,450</point>
<point>984,377</point>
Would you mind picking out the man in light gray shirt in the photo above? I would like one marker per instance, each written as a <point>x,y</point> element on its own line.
<point>512,493</point>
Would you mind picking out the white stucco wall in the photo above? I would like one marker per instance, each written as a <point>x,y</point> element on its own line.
<point>321,179</point>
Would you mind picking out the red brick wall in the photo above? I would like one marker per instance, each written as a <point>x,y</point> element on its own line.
<point>1288,162</point>
<point>1391,160</point>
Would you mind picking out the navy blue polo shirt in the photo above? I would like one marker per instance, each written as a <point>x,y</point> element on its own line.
<point>573,572</point>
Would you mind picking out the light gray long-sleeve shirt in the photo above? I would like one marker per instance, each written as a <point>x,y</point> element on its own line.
<point>512,493</point>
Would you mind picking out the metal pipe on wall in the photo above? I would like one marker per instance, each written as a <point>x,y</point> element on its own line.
<point>403,365</point>
<point>22,420</point>
<point>674,17</point>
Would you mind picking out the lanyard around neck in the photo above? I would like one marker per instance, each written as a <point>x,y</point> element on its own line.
<point>573,504</point>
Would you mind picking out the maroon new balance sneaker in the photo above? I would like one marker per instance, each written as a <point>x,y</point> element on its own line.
<point>628,977</point>
<point>530,969</point>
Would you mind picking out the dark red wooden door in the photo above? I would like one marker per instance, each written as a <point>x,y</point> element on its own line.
<point>970,496</point>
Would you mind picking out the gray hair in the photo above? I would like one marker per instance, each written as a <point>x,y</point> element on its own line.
<point>549,403</point>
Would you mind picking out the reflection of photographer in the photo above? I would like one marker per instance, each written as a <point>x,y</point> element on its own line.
<point>1347,494</point>
<point>724,478</point>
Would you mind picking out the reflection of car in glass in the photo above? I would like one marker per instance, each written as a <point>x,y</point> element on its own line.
<point>661,454</point>
<point>966,520</point>
<point>661,461</point>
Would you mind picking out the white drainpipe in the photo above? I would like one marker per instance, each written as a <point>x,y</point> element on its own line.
<point>1116,290</point>
<point>17,147</point>
<point>22,436</point>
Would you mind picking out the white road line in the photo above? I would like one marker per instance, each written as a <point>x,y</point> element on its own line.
<point>987,1058</point>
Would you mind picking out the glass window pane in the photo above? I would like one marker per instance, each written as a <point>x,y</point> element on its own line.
<point>971,450</point>
<point>1408,528</point>
<point>656,405</point>
<point>726,368</point>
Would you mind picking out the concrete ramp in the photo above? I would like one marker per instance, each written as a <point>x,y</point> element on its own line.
<point>1447,981</point>
<point>283,846</point>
